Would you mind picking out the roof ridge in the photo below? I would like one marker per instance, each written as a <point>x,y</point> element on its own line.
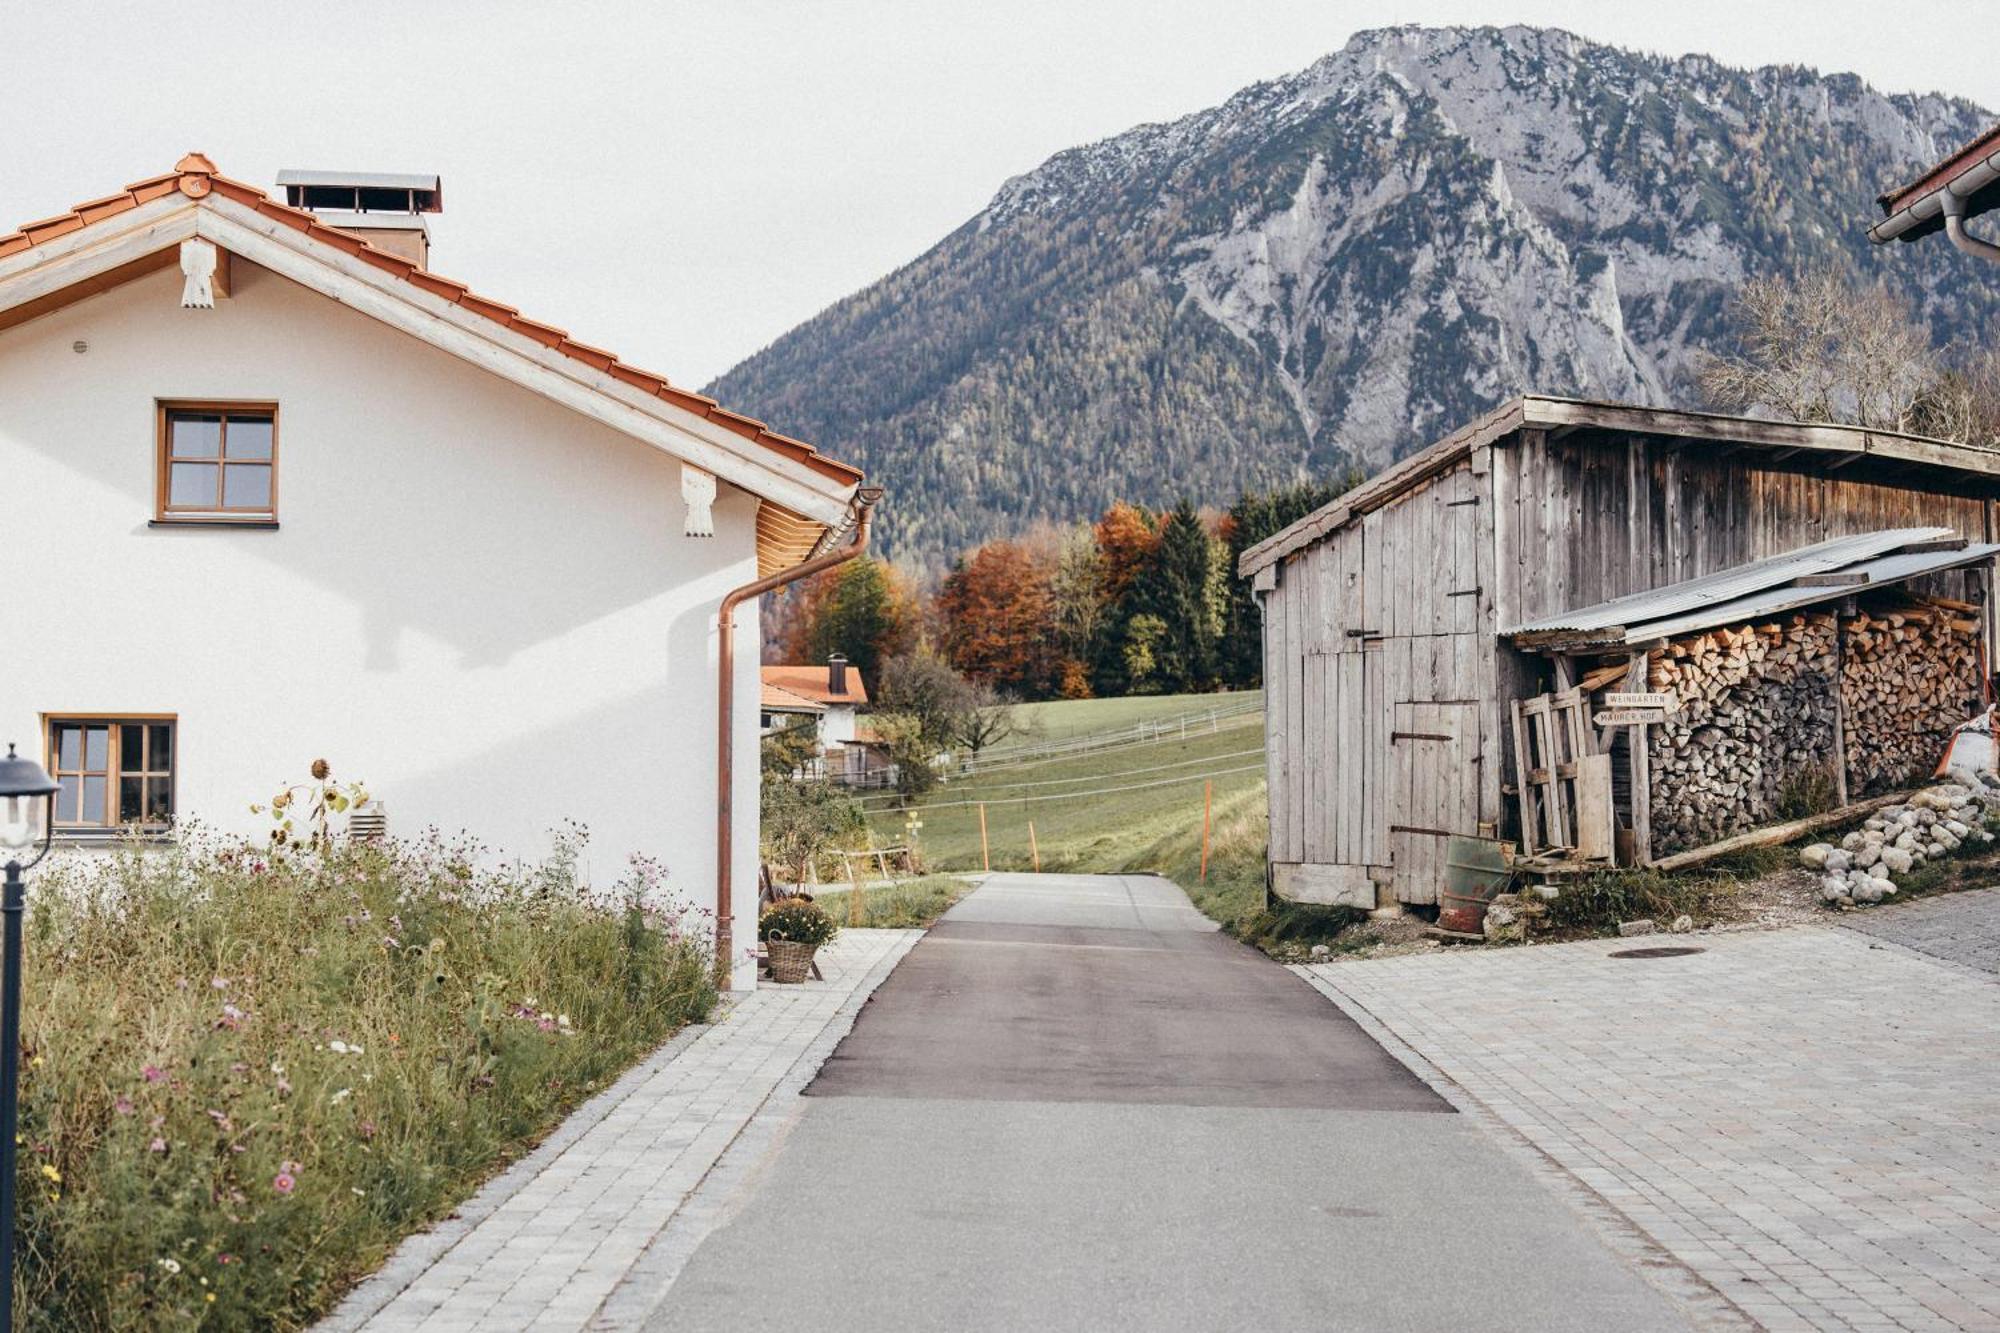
<point>196,176</point>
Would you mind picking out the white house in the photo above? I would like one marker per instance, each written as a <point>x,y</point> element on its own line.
<point>831,694</point>
<point>826,698</point>
<point>274,491</point>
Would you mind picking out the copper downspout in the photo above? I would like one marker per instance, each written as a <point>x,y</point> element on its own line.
<point>725,767</point>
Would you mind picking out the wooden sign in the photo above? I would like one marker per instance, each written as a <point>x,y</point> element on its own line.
<point>1613,699</point>
<point>1627,717</point>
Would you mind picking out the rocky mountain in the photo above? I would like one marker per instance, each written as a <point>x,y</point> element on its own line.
<point>1340,266</point>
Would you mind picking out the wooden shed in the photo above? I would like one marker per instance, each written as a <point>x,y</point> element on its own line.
<point>1390,615</point>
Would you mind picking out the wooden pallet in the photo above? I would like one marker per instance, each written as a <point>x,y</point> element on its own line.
<point>1552,735</point>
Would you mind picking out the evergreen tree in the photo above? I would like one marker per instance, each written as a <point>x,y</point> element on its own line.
<point>1181,588</point>
<point>862,609</point>
<point>1255,516</point>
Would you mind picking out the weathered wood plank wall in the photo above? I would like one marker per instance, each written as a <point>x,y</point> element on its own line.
<point>1596,520</point>
<point>1391,612</point>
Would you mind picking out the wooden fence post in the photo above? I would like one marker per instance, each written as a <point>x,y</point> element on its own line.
<point>985,856</point>
<point>857,893</point>
<point>1034,848</point>
<point>1207,809</point>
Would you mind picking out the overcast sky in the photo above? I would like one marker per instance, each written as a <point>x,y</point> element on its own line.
<point>683,182</point>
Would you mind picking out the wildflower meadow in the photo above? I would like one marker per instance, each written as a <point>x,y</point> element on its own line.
<point>247,1072</point>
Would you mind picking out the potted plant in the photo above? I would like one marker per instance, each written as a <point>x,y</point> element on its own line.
<point>792,930</point>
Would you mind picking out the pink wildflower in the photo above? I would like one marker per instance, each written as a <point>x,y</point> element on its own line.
<point>220,983</point>
<point>157,1145</point>
<point>152,1073</point>
<point>284,1182</point>
<point>123,1106</point>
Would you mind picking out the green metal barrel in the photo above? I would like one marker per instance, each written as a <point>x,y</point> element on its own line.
<point>1476,870</point>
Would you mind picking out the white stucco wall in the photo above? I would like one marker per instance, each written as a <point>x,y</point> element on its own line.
<point>837,726</point>
<point>479,602</point>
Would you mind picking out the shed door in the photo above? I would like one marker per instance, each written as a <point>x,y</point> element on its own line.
<point>1433,791</point>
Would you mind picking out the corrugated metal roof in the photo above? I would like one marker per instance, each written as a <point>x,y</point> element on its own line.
<point>1836,568</point>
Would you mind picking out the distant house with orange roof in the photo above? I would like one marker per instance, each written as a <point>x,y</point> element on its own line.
<point>826,698</point>
<point>280,491</point>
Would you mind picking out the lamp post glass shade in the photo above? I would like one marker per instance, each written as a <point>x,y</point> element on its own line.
<point>27,797</point>
<point>26,790</point>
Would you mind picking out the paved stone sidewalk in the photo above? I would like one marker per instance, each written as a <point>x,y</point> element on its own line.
<point>548,1241</point>
<point>1806,1118</point>
<point>1961,928</point>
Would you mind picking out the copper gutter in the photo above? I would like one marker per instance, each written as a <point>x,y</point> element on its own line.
<point>725,694</point>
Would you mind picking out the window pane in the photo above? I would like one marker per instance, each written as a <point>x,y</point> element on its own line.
<point>159,800</point>
<point>195,434</point>
<point>249,437</point>
<point>193,484</point>
<point>66,800</point>
<point>131,749</point>
<point>131,807</point>
<point>162,746</point>
<point>96,749</point>
<point>93,799</point>
<point>69,748</point>
<point>246,486</point>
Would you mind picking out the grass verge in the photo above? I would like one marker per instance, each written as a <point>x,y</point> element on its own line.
<point>1232,895</point>
<point>911,904</point>
<point>246,1078</point>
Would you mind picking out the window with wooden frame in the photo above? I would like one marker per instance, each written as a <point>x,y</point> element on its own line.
<point>218,463</point>
<point>112,772</point>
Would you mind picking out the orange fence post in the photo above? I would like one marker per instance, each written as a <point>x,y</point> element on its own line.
<point>1034,848</point>
<point>985,857</point>
<point>1207,807</point>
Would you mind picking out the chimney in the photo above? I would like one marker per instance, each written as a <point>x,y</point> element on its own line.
<point>385,210</point>
<point>836,674</point>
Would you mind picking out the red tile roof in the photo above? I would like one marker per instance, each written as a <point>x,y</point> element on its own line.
<point>779,699</point>
<point>195,176</point>
<point>811,682</point>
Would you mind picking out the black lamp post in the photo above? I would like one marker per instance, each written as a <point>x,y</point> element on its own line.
<point>27,798</point>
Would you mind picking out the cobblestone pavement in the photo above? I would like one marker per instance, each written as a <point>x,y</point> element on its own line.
<point>1808,1119</point>
<point>547,1242</point>
<point>1961,928</point>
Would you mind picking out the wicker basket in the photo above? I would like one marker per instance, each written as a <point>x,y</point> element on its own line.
<point>791,962</point>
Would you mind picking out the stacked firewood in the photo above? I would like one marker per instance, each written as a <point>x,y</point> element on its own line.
<point>1910,672</point>
<point>1755,717</point>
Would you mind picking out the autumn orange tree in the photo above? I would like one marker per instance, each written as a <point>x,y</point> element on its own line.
<point>995,606</point>
<point>1128,537</point>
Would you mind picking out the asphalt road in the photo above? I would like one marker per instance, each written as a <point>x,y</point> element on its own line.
<point>1075,1105</point>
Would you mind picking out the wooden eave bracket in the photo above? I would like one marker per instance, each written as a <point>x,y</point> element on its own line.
<point>698,494</point>
<point>202,263</point>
